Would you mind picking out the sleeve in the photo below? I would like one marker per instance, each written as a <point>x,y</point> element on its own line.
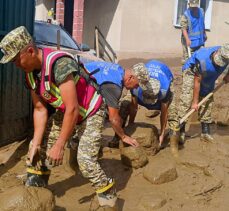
<point>111,93</point>
<point>63,67</point>
<point>226,70</point>
<point>190,63</point>
<point>184,22</point>
<point>168,97</point>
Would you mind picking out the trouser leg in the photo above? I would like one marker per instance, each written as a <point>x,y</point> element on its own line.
<point>90,134</point>
<point>38,175</point>
<point>124,113</point>
<point>173,123</point>
<point>186,93</point>
<point>206,119</point>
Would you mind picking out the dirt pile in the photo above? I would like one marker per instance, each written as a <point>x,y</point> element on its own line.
<point>147,137</point>
<point>21,198</point>
<point>199,180</point>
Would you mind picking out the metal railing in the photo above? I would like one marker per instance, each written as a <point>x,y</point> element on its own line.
<point>102,47</point>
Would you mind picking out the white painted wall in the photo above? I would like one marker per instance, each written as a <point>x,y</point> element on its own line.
<point>42,7</point>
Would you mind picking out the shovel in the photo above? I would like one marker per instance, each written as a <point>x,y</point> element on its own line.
<point>186,116</point>
<point>189,52</point>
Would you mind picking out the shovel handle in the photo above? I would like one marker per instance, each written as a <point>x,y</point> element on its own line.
<point>186,116</point>
<point>189,52</point>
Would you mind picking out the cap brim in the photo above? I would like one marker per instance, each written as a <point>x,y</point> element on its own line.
<point>7,58</point>
<point>218,60</point>
<point>143,86</point>
<point>193,5</point>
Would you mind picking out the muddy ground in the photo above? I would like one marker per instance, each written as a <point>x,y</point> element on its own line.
<point>202,181</point>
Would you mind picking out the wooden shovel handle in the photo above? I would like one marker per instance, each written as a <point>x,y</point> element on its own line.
<point>201,102</point>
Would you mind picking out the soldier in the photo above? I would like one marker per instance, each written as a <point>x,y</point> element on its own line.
<point>54,78</point>
<point>154,92</point>
<point>156,95</point>
<point>112,78</point>
<point>193,29</point>
<point>199,75</point>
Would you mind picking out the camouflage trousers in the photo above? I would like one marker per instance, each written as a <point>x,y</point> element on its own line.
<point>124,110</point>
<point>89,134</point>
<point>185,50</point>
<point>173,118</point>
<point>186,98</point>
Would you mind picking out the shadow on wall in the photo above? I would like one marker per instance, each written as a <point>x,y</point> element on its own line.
<point>97,13</point>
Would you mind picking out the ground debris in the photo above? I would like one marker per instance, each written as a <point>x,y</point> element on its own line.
<point>210,189</point>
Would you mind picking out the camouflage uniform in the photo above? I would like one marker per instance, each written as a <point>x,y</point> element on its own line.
<point>186,92</point>
<point>185,25</point>
<point>11,46</point>
<point>204,112</point>
<point>186,97</point>
<point>151,88</point>
<point>89,134</point>
<point>124,110</point>
<point>173,119</point>
<point>145,82</point>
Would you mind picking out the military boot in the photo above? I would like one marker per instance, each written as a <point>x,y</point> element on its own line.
<point>174,139</point>
<point>37,178</point>
<point>182,134</point>
<point>107,196</point>
<point>205,135</point>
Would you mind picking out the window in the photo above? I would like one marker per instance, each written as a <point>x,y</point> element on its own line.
<point>181,6</point>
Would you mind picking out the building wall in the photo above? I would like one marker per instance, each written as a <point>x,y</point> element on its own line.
<point>146,25</point>
<point>219,33</point>
<point>78,20</point>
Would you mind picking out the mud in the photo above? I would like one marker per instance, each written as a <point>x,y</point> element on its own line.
<point>202,171</point>
<point>21,198</point>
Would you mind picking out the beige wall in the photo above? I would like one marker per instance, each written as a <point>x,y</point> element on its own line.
<point>142,26</point>
<point>219,32</point>
<point>42,7</point>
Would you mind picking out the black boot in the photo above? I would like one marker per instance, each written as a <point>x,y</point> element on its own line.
<point>37,178</point>
<point>205,135</point>
<point>107,198</point>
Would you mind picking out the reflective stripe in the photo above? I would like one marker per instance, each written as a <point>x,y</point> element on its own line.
<point>48,60</point>
<point>196,33</point>
<point>82,111</point>
<point>191,33</point>
<point>55,90</point>
<point>102,190</point>
<point>190,30</point>
<point>33,171</point>
<point>57,103</point>
<point>31,80</point>
<point>93,102</point>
